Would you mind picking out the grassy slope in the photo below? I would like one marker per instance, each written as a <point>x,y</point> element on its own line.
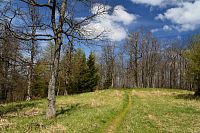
<point>85,113</point>
<point>162,111</point>
<point>142,110</point>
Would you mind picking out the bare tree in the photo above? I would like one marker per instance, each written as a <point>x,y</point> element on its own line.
<point>61,23</point>
<point>107,62</point>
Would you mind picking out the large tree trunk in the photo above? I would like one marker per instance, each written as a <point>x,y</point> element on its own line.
<point>51,111</point>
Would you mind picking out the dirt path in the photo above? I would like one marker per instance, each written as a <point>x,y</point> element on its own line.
<point>114,124</point>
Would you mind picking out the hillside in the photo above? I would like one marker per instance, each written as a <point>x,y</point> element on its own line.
<point>124,111</point>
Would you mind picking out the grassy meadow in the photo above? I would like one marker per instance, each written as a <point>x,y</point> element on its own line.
<point>166,111</point>
<point>120,111</point>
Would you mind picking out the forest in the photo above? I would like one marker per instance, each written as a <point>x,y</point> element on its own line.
<point>47,50</point>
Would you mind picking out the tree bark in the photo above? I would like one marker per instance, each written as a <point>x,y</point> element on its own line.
<point>51,111</point>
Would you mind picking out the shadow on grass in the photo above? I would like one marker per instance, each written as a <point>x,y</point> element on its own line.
<point>16,107</point>
<point>67,109</point>
<point>187,97</point>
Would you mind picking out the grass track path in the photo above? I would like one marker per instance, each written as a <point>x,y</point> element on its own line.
<point>115,123</point>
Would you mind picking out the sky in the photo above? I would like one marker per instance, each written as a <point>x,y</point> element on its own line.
<point>166,19</point>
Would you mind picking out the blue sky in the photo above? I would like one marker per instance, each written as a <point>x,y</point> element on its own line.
<point>166,19</point>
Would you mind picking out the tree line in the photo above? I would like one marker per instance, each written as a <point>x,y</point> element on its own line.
<point>144,62</point>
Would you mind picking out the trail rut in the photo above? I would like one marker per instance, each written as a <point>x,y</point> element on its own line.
<point>117,120</point>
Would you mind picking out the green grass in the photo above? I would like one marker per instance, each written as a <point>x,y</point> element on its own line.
<point>84,113</point>
<point>117,120</point>
<point>156,110</point>
<point>123,111</point>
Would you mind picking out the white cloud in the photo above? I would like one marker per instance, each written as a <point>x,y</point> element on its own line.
<point>98,8</point>
<point>113,25</point>
<point>167,28</point>
<point>161,3</point>
<point>148,2</point>
<point>185,17</point>
<point>164,28</point>
<point>110,29</point>
<point>121,15</point>
<point>160,16</point>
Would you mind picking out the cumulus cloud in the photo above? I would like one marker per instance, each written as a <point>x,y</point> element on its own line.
<point>113,24</point>
<point>160,3</point>
<point>121,15</point>
<point>185,17</point>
